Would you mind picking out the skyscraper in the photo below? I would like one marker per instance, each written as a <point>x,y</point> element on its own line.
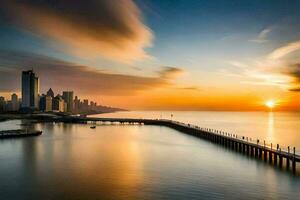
<point>76,104</point>
<point>48,103</point>
<point>50,93</point>
<point>14,102</point>
<point>68,98</point>
<point>58,104</point>
<point>30,90</point>
<point>42,103</point>
<point>2,104</point>
<point>85,105</point>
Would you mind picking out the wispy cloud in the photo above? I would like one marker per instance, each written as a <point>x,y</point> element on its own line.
<point>262,71</point>
<point>113,29</point>
<point>170,72</point>
<point>262,36</point>
<point>256,74</point>
<point>275,69</point>
<point>191,88</point>
<point>294,72</point>
<point>284,50</point>
<point>238,64</point>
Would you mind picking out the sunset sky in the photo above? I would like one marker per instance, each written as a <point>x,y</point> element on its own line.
<point>154,54</point>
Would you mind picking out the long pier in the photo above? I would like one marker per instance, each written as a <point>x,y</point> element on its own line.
<point>275,156</point>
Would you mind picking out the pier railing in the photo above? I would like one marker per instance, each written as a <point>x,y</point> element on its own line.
<point>258,141</point>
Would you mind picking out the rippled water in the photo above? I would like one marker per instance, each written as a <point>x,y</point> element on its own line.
<point>72,161</point>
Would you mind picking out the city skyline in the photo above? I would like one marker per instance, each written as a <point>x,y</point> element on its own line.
<point>33,101</point>
<point>150,55</point>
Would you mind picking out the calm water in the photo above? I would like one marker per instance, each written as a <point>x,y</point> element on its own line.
<point>277,127</point>
<point>72,161</point>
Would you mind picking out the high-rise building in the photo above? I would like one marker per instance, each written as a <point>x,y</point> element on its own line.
<point>50,93</point>
<point>91,105</point>
<point>2,104</point>
<point>30,90</point>
<point>76,104</point>
<point>48,104</point>
<point>42,103</point>
<point>65,107</point>
<point>58,104</point>
<point>8,106</point>
<point>14,102</point>
<point>85,105</point>
<point>68,98</point>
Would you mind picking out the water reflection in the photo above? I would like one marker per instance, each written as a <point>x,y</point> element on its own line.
<point>29,156</point>
<point>270,126</point>
<point>72,161</point>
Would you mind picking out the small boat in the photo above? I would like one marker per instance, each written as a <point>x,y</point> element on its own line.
<point>93,127</point>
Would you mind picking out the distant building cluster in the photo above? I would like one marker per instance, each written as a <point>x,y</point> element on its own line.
<point>10,105</point>
<point>32,100</point>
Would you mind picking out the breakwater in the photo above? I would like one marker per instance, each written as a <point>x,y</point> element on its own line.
<point>19,133</point>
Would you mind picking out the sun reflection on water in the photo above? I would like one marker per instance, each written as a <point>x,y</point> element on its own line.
<point>270,126</point>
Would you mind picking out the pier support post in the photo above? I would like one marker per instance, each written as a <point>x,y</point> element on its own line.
<point>270,154</point>
<point>288,159</point>
<point>251,150</point>
<point>280,158</point>
<point>265,155</point>
<point>265,152</point>
<point>294,161</point>
<point>241,145</point>
<point>256,148</point>
<point>256,151</point>
<point>260,152</point>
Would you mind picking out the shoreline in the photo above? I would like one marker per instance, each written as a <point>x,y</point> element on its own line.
<point>44,116</point>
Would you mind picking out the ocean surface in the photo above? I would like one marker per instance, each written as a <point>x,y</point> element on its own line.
<point>73,161</point>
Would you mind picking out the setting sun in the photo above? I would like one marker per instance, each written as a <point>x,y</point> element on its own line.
<point>270,104</point>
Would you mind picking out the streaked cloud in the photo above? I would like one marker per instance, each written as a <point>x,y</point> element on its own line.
<point>294,72</point>
<point>170,72</point>
<point>61,75</point>
<point>284,50</point>
<point>237,64</point>
<point>113,29</point>
<point>295,89</point>
<point>274,69</point>
<point>191,88</point>
<point>262,36</point>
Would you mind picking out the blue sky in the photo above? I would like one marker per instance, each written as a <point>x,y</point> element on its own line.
<point>196,29</point>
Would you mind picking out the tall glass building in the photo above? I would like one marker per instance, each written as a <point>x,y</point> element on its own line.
<point>30,90</point>
<point>68,98</point>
